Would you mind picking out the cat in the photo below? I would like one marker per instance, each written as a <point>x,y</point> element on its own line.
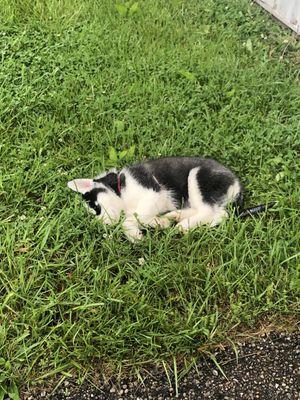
<point>188,190</point>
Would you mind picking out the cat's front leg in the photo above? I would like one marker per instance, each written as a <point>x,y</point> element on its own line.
<point>153,222</point>
<point>180,215</point>
<point>149,209</point>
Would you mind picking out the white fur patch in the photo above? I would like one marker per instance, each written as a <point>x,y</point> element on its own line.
<point>233,191</point>
<point>111,207</point>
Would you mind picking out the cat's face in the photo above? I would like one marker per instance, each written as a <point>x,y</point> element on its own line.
<point>99,199</point>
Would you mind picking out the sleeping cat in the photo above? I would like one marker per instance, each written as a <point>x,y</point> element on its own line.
<point>190,190</point>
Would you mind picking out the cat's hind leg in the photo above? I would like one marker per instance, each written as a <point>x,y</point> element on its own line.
<point>207,197</point>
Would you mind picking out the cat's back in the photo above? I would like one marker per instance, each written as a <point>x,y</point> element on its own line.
<point>180,167</point>
<point>173,172</point>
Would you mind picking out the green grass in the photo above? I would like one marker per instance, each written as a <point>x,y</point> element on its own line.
<point>219,79</point>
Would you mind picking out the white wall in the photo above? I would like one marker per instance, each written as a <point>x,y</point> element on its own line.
<point>287,11</point>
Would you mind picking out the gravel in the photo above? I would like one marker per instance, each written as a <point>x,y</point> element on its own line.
<point>267,368</point>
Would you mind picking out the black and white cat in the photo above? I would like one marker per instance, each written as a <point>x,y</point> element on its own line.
<point>190,190</point>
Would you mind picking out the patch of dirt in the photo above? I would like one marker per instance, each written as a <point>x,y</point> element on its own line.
<point>267,368</point>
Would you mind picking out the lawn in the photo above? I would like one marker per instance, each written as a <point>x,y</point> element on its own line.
<point>81,83</point>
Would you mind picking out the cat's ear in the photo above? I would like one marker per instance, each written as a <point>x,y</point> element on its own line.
<point>81,185</point>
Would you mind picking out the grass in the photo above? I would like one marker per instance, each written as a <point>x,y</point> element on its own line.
<point>170,78</point>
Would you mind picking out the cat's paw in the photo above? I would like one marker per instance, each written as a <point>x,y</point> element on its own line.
<point>134,235</point>
<point>183,226</point>
<point>161,222</point>
<point>173,216</point>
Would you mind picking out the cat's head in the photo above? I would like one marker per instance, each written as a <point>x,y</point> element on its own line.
<point>101,195</point>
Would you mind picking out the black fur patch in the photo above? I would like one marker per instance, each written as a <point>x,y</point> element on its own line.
<point>238,203</point>
<point>91,199</point>
<point>144,177</point>
<point>172,173</point>
<point>213,184</point>
<point>122,182</point>
<point>111,180</point>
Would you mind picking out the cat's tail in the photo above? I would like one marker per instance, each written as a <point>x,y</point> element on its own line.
<point>255,210</point>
